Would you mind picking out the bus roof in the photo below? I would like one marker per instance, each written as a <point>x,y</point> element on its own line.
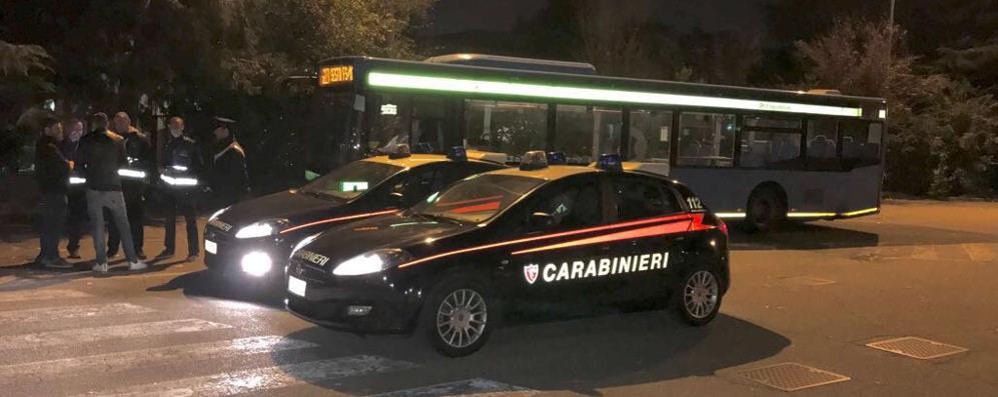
<point>499,61</point>
<point>542,79</point>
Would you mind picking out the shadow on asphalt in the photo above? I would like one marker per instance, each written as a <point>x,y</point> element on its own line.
<point>580,355</point>
<point>817,236</point>
<point>214,284</point>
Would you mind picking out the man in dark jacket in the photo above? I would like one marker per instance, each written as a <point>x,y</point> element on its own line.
<point>134,181</point>
<point>179,170</point>
<point>52,174</point>
<point>102,154</point>
<point>227,176</point>
<point>76,217</point>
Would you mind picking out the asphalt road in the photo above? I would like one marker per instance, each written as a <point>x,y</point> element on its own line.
<point>812,295</point>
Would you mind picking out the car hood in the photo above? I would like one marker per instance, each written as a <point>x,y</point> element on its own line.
<point>387,231</point>
<point>290,204</point>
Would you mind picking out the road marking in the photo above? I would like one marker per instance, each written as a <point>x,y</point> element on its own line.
<point>96,334</point>
<point>71,312</point>
<point>927,253</point>
<point>42,294</point>
<point>113,362</point>
<point>262,379</point>
<point>979,252</point>
<point>476,387</point>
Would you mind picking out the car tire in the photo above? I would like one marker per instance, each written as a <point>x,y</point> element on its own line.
<point>765,211</point>
<point>697,297</point>
<point>459,315</point>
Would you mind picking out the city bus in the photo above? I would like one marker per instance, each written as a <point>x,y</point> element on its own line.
<point>757,155</point>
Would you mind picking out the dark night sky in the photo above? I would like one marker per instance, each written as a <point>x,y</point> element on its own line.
<point>451,16</point>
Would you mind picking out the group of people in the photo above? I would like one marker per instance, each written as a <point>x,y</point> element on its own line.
<point>105,177</point>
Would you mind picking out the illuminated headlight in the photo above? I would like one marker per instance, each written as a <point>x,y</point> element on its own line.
<point>216,214</point>
<point>257,263</point>
<point>259,229</point>
<point>371,262</point>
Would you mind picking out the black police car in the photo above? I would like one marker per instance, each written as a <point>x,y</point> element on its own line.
<point>537,234</point>
<point>257,235</point>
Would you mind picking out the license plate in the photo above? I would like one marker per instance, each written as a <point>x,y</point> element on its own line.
<point>210,247</point>
<point>297,286</point>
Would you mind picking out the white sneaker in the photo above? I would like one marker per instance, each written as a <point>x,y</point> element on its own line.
<point>137,265</point>
<point>100,268</point>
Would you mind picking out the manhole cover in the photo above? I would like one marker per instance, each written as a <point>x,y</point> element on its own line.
<point>915,347</point>
<point>792,376</point>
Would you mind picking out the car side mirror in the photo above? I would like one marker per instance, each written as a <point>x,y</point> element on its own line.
<point>541,220</point>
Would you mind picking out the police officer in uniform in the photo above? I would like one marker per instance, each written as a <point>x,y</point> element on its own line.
<point>76,217</point>
<point>227,175</point>
<point>179,170</point>
<point>134,182</point>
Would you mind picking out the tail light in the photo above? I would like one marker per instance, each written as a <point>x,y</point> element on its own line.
<point>722,226</point>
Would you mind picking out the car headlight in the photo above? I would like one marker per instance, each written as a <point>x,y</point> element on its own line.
<point>216,214</point>
<point>371,262</point>
<point>260,229</point>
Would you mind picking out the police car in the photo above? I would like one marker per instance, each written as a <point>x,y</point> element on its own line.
<point>539,234</point>
<point>255,236</point>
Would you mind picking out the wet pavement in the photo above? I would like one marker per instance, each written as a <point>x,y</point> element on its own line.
<point>805,303</point>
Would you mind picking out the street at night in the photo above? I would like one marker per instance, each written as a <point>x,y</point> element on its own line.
<point>812,294</point>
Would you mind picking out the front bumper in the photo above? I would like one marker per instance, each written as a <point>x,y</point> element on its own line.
<point>393,308</point>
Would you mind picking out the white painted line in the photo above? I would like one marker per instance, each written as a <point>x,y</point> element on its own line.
<point>42,294</point>
<point>113,362</point>
<point>979,252</point>
<point>476,387</point>
<point>71,312</point>
<point>96,334</point>
<point>263,379</point>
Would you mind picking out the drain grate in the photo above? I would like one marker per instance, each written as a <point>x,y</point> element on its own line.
<point>792,376</point>
<point>916,347</point>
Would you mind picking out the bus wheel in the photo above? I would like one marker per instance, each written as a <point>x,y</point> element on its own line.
<point>766,210</point>
<point>459,315</point>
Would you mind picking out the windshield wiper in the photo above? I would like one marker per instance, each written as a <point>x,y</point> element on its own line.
<point>440,218</point>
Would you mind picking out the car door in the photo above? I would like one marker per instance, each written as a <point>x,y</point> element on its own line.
<point>644,246</point>
<point>550,267</point>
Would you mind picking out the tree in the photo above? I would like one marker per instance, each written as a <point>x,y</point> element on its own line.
<point>943,138</point>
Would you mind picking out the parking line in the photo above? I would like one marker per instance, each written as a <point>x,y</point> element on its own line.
<point>263,379</point>
<point>42,294</point>
<point>96,334</point>
<point>476,387</point>
<point>113,362</point>
<point>70,312</point>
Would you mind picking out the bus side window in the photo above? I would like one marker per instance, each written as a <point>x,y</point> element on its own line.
<point>585,132</point>
<point>706,139</point>
<point>506,127</point>
<point>861,142</point>
<point>821,147</point>
<point>650,136</point>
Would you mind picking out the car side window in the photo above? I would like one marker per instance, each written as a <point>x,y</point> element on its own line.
<point>570,207</point>
<point>420,182</point>
<point>637,198</point>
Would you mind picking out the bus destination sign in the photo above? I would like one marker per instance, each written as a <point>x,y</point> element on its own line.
<point>333,75</point>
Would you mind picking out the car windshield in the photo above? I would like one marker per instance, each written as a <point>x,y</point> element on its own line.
<point>351,180</point>
<point>477,198</point>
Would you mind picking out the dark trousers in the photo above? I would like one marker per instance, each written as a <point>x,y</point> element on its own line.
<point>53,220</point>
<point>181,202</point>
<point>76,219</point>
<point>135,207</point>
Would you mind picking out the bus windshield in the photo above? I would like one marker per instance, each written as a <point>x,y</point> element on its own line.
<point>351,180</point>
<point>477,198</point>
<point>328,138</point>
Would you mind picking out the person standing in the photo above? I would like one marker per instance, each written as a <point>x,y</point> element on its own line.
<point>76,219</point>
<point>52,173</point>
<point>179,170</point>
<point>134,181</point>
<point>227,177</point>
<point>102,153</point>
